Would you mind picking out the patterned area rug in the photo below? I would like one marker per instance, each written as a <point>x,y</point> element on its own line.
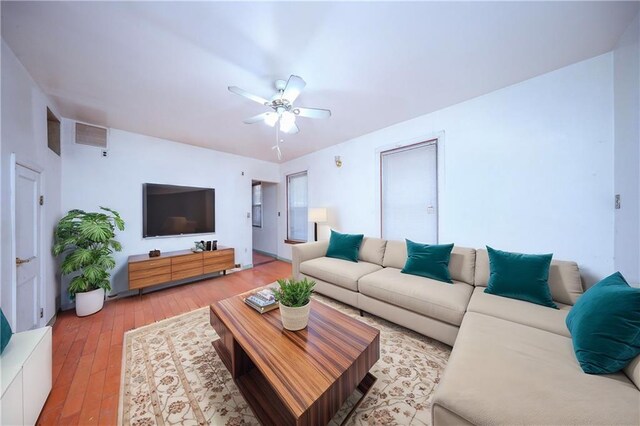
<point>172,375</point>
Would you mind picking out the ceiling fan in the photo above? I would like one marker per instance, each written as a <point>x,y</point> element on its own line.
<point>284,113</point>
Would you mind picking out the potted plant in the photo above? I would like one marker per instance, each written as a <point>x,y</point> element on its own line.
<point>294,298</point>
<point>88,239</point>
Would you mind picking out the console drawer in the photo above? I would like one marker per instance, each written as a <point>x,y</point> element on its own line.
<point>146,273</point>
<point>147,281</point>
<point>149,264</point>
<point>187,258</point>
<point>177,267</point>
<point>187,273</point>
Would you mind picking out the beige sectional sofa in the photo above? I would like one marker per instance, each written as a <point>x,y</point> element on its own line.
<point>512,361</point>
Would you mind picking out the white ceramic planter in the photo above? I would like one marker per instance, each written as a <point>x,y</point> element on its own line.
<point>295,318</point>
<point>90,302</point>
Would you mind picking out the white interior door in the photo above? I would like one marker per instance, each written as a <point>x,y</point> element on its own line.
<point>409,193</point>
<point>27,214</point>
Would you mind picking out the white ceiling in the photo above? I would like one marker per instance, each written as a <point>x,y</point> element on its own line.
<point>162,68</point>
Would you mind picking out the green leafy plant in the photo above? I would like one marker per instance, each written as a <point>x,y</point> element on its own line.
<point>88,239</point>
<point>294,293</point>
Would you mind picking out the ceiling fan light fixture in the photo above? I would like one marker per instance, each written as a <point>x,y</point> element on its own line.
<point>287,121</point>
<point>271,119</point>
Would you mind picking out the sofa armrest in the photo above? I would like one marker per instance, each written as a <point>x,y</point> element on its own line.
<point>306,251</point>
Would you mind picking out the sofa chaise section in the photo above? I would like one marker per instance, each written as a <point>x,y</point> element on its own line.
<point>505,373</point>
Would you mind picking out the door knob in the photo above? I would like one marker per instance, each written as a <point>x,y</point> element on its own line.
<point>21,261</point>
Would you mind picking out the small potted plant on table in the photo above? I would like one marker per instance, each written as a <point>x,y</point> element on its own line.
<point>295,302</point>
<point>89,241</point>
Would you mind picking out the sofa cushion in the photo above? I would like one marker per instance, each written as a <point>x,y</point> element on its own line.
<point>372,250</point>
<point>344,246</point>
<point>564,280</point>
<point>519,311</point>
<point>428,260</point>
<point>337,271</point>
<point>605,326</point>
<point>520,276</point>
<point>461,263</point>
<point>443,301</point>
<point>501,372</point>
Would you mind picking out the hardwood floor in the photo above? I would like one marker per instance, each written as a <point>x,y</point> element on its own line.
<point>260,259</point>
<point>87,352</point>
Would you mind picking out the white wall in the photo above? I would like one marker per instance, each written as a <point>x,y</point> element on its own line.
<point>265,239</point>
<point>24,132</point>
<point>627,151</point>
<point>527,168</point>
<point>90,180</point>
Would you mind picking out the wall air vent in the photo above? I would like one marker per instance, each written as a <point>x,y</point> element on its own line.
<point>87,134</point>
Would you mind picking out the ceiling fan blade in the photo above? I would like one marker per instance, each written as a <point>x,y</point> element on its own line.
<point>312,112</point>
<point>292,130</point>
<point>255,98</point>
<point>257,118</point>
<point>293,88</point>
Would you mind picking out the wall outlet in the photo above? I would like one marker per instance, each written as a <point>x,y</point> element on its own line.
<point>105,153</point>
<point>238,265</point>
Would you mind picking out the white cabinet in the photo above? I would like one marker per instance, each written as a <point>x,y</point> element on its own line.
<point>12,410</point>
<point>25,376</point>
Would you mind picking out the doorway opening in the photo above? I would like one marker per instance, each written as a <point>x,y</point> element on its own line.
<point>264,221</point>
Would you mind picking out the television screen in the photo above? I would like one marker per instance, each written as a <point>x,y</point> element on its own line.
<point>177,210</point>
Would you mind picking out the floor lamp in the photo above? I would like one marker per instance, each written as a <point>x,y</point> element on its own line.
<point>317,215</point>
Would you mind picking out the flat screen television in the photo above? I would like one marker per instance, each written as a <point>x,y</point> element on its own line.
<point>177,210</point>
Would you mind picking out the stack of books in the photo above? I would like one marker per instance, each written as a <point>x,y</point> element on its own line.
<point>262,301</point>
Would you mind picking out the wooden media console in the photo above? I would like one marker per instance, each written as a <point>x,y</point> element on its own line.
<point>145,271</point>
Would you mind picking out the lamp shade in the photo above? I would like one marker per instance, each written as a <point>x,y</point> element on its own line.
<point>318,214</point>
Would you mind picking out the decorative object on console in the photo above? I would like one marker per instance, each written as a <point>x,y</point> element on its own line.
<point>208,246</point>
<point>428,260</point>
<point>317,215</point>
<point>344,246</point>
<point>88,239</point>
<point>199,247</point>
<point>154,253</point>
<point>520,276</point>
<point>283,112</point>
<point>214,245</point>
<point>294,298</point>
<point>605,326</point>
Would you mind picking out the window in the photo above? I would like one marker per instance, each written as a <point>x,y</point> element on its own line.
<point>297,207</point>
<point>409,193</point>
<point>256,205</point>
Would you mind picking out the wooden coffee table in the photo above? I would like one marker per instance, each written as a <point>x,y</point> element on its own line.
<point>294,377</point>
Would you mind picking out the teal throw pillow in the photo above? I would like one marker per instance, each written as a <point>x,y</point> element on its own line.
<point>605,326</point>
<point>520,276</point>
<point>5,332</point>
<point>430,261</point>
<point>344,246</point>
